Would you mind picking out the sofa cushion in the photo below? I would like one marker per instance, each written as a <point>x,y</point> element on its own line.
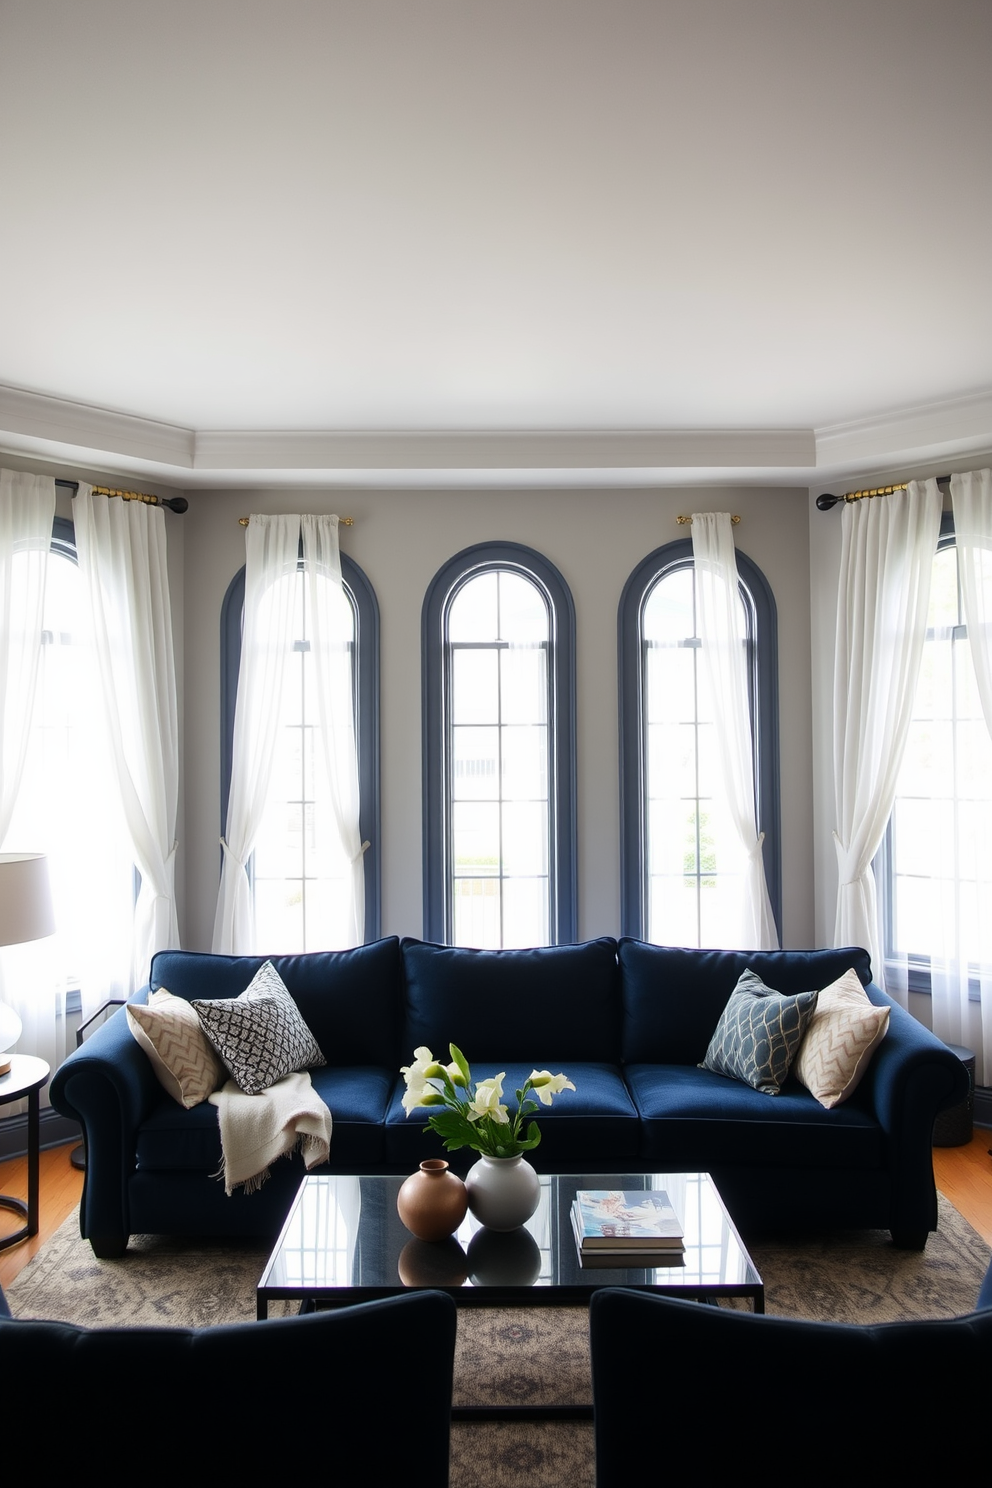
<point>261,1035</point>
<point>560,1002</point>
<point>758,1034</point>
<point>189,1141</point>
<point>843,1034</point>
<point>350,1000</point>
<point>693,1119</point>
<point>596,1122</point>
<point>673,996</point>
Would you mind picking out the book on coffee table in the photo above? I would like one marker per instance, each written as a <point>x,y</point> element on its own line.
<point>647,1256</point>
<point>613,1220</point>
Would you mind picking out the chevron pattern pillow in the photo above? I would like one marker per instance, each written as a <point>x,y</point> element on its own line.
<point>261,1035</point>
<point>183,1059</point>
<point>843,1034</point>
<point>758,1034</point>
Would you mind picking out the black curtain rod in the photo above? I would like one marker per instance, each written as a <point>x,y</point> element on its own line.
<point>827,501</point>
<point>174,503</point>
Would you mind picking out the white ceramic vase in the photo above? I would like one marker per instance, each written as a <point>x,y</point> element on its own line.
<point>503,1192</point>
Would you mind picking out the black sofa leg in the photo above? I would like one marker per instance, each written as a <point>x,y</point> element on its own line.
<point>910,1239</point>
<point>108,1247</point>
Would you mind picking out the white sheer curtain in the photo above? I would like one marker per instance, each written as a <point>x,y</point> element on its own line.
<point>886,560</point>
<point>961,963</point>
<point>332,667</point>
<point>122,559</point>
<point>28,976</point>
<point>724,664</point>
<point>271,549</point>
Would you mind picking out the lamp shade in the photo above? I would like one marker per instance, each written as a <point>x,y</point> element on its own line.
<point>25,898</point>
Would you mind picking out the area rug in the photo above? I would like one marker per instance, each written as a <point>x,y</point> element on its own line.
<point>536,1356</point>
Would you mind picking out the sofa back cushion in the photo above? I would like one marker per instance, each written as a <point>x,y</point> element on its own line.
<point>350,1000</point>
<point>673,996</point>
<point>551,1004</point>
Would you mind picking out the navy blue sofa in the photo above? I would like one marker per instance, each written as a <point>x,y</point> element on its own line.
<point>627,1022</point>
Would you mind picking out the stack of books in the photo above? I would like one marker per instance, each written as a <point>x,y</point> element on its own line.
<point>613,1228</point>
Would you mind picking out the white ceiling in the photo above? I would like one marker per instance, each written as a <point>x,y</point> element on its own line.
<point>422,240</point>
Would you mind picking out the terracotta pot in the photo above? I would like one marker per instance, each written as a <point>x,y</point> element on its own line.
<point>503,1192</point>
<point>432,1203</point>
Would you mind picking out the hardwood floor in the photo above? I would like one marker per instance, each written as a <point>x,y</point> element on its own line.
<point>964,1175</point>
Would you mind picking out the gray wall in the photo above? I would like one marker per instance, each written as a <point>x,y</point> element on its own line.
<point>400,539</point>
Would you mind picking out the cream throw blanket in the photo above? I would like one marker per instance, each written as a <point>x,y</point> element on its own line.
<point>256,1129</point>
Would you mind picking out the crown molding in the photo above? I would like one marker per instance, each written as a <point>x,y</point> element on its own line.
<point>924,431</point>
<point>36,425</point>
<point>511,450</point>
<point>59,421</point>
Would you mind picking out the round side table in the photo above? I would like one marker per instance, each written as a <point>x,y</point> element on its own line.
<point>25,1078</point>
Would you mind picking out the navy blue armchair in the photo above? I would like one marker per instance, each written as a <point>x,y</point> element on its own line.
<point>249,1402</point>
<point>754,1397</point>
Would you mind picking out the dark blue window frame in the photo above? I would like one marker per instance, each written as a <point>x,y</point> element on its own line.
<point>468,564</point>
<point>762,621</point>
<point>366,608</point>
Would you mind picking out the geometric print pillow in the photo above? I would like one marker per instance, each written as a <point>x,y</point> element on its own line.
<point>169,1031</point>
<point>843,1034</point>
<point>261,1035</point>
<point>759,1033</point>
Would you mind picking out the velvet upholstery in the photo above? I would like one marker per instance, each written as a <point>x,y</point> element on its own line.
<point>778,1160</point>
<point>244,1383</point>
<point>828,1402</point>
<point>565,1000</point>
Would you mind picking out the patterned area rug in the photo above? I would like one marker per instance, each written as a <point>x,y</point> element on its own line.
<point>537,1356</point>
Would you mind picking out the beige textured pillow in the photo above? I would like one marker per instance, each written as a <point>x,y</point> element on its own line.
<point>843,1034</point>
<point>181,1055</point>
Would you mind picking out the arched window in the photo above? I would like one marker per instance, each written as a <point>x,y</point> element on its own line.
<point>680,867</point>
<point>499,775</point>
<point>293,870</point>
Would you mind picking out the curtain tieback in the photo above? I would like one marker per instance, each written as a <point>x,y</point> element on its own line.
<point>360,853</point>
<point>846,866</point>
<point>755,851</point>
<point>230,852</point>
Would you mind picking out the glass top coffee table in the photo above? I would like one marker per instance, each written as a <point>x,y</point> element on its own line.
<point>343,1242</point>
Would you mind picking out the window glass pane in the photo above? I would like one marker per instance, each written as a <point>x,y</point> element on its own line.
<point>475,764</point>
<point>497,650</point>
<point>937,841</point>
<point>473,613</point>
<point>80,826</point>
<point>298,866</point>
<point>474,686</point>
<point>693,859</point>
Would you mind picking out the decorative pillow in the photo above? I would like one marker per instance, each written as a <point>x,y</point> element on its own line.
<point>169,1031</point>
<point>843,1034</point>
<point>260,1035</point>
<point>758,1034</point>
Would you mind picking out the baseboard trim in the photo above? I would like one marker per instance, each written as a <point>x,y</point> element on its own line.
<point>53,1131</point>
<point>983,1105</point>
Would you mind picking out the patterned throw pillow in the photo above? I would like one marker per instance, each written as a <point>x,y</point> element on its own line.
<point>261,1035</point>
<point>843,1034</point>
<point>169,1031</point>
<point>758,1034</point>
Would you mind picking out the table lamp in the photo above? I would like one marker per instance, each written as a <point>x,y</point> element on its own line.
<point>25,914</point>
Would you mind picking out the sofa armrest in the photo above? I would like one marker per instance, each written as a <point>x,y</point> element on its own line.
<point>912,1076</point>
<point>109,1087</point>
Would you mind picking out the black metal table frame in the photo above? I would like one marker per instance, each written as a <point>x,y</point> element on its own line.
<point>30,1209</point>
